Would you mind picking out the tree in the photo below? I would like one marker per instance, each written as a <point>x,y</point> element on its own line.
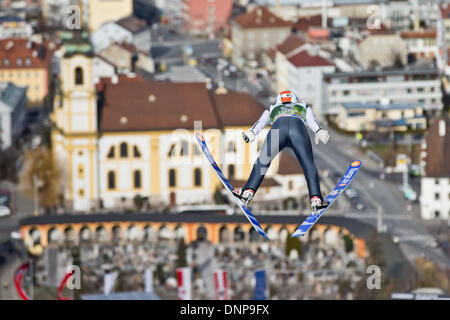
<point>39,168</point>
<point>348,242</point>
<point>293,243</point>
<point>181,254</point>
<point>398,62</point>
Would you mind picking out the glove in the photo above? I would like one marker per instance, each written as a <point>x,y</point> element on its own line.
<point>249,136</point>
<point>322,135</point>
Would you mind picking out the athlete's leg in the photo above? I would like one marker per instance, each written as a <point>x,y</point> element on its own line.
<point>275,141</point>
<point>300,143</point>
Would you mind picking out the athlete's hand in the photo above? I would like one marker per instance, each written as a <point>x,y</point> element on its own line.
<point>249,136</point>
<point>322,135</point>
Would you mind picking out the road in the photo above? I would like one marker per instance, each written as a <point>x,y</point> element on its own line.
<point>414,240</point>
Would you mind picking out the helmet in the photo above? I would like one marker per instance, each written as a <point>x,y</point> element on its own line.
<point>286,96</point>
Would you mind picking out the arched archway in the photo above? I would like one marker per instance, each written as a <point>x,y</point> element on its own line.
<point>117,233</point>
<point>134,233</point>
<point>150,234</point>
<point>314,235</point>
<point>272,233</point>
<point>165,233</point>
<point>224,235</point>
<point>283,234</point>
<point>101,234</point>
<point>254,236</point>
<point>202,234</point>
<point>180,232</point>
<point>54,235</point>
<point>85,234</point>
<point>238,234</point>
<point>35,235</point>
<point>70,235</point>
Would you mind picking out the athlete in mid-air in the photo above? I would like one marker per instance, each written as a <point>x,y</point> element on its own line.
<point>288,118</point>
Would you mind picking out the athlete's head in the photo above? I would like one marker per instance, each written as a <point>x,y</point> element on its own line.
<point>286,96</point>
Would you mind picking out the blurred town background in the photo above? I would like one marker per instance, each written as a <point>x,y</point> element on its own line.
<point>99,102</point>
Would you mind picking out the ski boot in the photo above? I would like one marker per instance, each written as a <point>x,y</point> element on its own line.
<point>245,197</point>
<point>317,203</point>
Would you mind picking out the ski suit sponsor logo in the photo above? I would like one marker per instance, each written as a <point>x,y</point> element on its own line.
<point>288,110</point>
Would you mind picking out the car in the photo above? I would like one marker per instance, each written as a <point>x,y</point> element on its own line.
<point>4,211</point>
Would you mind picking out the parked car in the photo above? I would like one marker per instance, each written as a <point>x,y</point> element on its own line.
<point>4,211</point>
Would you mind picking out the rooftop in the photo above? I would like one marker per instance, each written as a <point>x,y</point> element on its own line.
<point>23,53</point>
<point>260,17</point>
<point>305,59</point>
<point>132,24</point>
<point>438,148</point>
<point>11,95</point>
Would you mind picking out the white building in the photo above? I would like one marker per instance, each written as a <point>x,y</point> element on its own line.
<point>403,85</point>
<point>12,27</point>
<point>300,67</point>
<point>435,185</point>
<point>13,101</point>
<point>102,68</point>
<point>130,30</point>
<point>421,44</point>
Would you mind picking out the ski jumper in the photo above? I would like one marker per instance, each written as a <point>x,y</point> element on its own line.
<point>288,131</point>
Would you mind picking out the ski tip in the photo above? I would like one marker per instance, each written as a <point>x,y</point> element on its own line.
<point>356,163</point>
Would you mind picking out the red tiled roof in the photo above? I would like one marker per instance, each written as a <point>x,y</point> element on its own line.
<point>30,54</point>
<point>438,149</point>
<point>260,17</point>
<point>132,24</point>
<point>304,59</point>
<point>419,34</point>
<point>445,11</point>
<point>237,108</point>
<point>304,23</point>
<point>133,104</point>
<point>383,30</point>
<point>290,44</point>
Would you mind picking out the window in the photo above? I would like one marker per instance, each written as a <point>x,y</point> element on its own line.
<point>436,181</point>
<point>436,196</point>
<point>437,214</point>
<point>136,152</point>
<point>80,171</point>
<point>81,192</point>
<point>111,153</point>
<point>231,147</point>
<point>171,152</point>
<point>111,180</point>
<point>137,179</point>
<point>172,178</point>
<point>78,76</point>
<point>123,150</point>
<point>231,171</point>
<point>6,62</point>
<point>290,185</point>
<point>197,177</point>
<point>19,62</point>
<point>184,149</point>
<point>27,61</point>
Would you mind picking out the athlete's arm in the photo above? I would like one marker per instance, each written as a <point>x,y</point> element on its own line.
<point>264,120</point>
<point>311,120</point>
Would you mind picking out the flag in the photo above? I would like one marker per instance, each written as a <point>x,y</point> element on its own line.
<point>108,281</point>
<point>148,280</point>
<point>260,286</point>
<point>184,283</point>
<point>221,284</point>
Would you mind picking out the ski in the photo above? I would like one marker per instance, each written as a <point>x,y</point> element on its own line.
<point>201,140</point>
<point>330,198</point>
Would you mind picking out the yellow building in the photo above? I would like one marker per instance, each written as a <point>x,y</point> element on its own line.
<point>98,12</point>
<point>356,116</point>
<point>124,137</point>
<point>26,63</point>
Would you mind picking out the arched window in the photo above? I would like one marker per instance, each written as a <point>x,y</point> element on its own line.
<point>184,149</point>
<point>80,171</point>
<point>172,178</point>
<point>171,152</point>
<point>198,177</point>
<point>123,150</point>
<point>137,179</point>
<point>78,75</point>
<point>112,152</point>
<point>111,180</point>
<point>231,171</point>
<point>136,152</point>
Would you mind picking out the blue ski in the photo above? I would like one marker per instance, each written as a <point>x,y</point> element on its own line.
<point>330,198</point>
<point>228,186</point>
